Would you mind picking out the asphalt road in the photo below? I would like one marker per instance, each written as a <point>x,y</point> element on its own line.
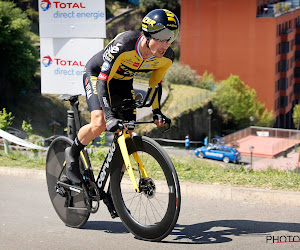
<point>28,221</point>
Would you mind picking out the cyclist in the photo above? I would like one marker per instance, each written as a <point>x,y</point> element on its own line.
<point>109,76</point>
<point>187,143</point>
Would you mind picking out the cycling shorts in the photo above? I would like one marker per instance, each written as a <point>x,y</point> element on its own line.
<point>118,89</point>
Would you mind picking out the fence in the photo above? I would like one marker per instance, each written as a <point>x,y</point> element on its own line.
<point>183,105</point>
<point>188,103</point>
<point>291,138</point>
<point>263,131</point>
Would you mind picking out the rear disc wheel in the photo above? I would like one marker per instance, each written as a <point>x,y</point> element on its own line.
<point>73,208</point>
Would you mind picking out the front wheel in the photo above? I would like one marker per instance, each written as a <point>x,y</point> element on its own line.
<point>152,213</point>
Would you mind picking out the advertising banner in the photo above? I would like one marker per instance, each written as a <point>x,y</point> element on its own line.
<point>63,61</point>
<point>72,18</point>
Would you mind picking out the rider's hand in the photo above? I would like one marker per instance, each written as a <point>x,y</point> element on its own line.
<point>114,125</point>
<point>160,119</point>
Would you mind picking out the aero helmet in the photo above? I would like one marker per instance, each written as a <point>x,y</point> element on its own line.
<point>161,24</point>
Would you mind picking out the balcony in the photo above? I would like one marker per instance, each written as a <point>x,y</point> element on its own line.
<point>278,9</point>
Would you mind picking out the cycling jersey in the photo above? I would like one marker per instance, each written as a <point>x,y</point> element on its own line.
<point>119,62</point>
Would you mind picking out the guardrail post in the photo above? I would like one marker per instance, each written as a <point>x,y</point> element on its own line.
<point>6,147</point>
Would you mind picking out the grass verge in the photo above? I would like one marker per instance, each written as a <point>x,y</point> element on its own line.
<point>189,170</point>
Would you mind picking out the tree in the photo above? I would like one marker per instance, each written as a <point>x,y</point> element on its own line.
<point>207,81</point>
<point>237,102</point>
<point>296,115</point>
<point>182,74</point>
<point>172,5</point>
<point>18,57</point>
<point>5,119</point>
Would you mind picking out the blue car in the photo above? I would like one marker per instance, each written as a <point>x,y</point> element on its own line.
<point>219,152</point>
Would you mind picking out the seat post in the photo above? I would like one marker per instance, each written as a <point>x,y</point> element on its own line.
<point>73,117</point>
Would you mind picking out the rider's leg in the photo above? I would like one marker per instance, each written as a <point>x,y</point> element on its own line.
<point>90,131</point>
<point>85,135</point>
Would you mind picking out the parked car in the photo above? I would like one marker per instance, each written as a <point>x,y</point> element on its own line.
<point>219,152</point>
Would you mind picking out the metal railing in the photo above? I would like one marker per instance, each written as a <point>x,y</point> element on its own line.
<point>189,102</point>
<point>292,137</point>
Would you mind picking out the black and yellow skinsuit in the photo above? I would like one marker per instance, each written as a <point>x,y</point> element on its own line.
<point>110,73</point>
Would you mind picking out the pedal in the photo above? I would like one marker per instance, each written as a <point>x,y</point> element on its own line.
<point>74,188</point>
<point>60,191</point>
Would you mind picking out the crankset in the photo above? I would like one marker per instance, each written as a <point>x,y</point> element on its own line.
<point>90,194</point>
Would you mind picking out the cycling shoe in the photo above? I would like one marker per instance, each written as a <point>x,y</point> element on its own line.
<point>72,168</point>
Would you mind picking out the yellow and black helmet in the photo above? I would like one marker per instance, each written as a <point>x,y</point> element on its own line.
<point>161,24</point>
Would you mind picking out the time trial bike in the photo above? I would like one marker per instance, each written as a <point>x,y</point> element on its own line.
<point>146,196</point>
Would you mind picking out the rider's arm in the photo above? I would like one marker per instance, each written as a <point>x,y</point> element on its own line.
<point>156,80</point>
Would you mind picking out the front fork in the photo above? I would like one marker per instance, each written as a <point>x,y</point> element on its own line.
<point>122,143</point>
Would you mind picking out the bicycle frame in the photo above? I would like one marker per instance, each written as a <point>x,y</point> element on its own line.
<point>124,151</point>
<point>119,143</point>
<point>74,125</point>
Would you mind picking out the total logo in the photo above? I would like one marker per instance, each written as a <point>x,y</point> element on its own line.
<point>47,61</point>
<point>69,67</point>
<point>46,5</point>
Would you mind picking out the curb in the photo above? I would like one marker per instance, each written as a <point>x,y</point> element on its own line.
<point>238,194</point>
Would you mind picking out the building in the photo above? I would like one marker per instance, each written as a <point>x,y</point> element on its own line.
<point>258,40</point>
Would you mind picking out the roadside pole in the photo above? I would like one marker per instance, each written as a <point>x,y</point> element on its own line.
<point>6,147</point>
<point>297,168</point>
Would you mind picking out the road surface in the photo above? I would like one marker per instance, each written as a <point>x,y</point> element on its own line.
<point>28,221</point>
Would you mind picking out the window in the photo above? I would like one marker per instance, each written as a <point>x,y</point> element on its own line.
<point>278,67</point>
<point>284,27</point>
<point>297,88</point>
<point>284,66</point>
<point>283,83</point>
<point>285,47</point>
<point>297,39</point>
<point>279,29</point>
<point>279,48</point>
<point>291,97</point>
<point>291,79</point>
<point>297,72</point>
<point>283,101</point>
<point>297,55</point>
<point>291,62</point>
